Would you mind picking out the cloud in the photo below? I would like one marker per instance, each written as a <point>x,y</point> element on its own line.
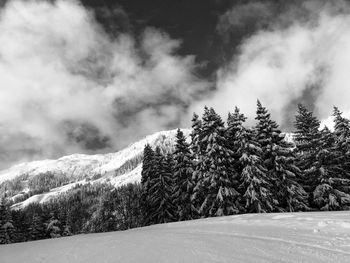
<point>66,86</point>
<point>243,15</point>
<point>303,55</point>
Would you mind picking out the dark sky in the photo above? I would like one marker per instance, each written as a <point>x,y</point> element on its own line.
<point>192,21</point>
<point>195,22</point>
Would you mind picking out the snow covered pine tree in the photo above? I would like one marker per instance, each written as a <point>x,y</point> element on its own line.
<point>279,160</point>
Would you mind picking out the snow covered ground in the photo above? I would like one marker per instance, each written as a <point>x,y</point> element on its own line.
<point>292,237</point>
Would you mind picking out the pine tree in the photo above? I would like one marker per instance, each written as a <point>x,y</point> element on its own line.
<point>7,228</point>
<point>53,228</point>
<point>161,190</point>
<point>308,144</point>
<point>333,184</point>
<point>147,175</point>
<point>328,193</point>
<point>183,170</point>
<point>342,141</point>
<point>103,219</point>
<point>196,162</point>
<point>255,187</point>
<point>2,221</point>
<point>234,129</point>
<point>20,221</point>
<point>36,229</point>
<point>323,158</point>
<point>67,231</point>
<point>279,159</point>
<point>169,172</point>
<point>290,194</point>
<point>196,130</point>
<point>216,186</point>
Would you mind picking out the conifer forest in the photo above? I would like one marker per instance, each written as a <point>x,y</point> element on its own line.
<point>224,168</point>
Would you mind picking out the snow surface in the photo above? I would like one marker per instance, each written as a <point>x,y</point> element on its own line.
<point>295,237</point>
<point>42,198</point>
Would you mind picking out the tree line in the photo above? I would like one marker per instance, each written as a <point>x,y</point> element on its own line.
<point>89,208</point>
<point>222,169</point>
<point>228,168</point>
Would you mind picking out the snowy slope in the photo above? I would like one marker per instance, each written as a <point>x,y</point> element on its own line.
<point>100,167</point>
<point>294,237</point>
<point>94,168</point>
<point>78,165</point>
<point>45,197</point>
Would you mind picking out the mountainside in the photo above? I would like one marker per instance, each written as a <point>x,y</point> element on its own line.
<point>118,168</point>
<point>40,181</point>
<point>288,237</point>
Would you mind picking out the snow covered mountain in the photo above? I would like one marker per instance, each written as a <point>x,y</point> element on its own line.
<point>117,168</point>
<point>288,237</point>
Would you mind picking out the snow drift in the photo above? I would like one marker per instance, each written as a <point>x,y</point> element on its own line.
<point>289,237</point>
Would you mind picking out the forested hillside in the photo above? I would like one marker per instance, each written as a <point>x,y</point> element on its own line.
<point>224,169</point>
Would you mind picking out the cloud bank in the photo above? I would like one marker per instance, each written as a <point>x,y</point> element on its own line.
<point>301,54</point>
<point>66,86</point>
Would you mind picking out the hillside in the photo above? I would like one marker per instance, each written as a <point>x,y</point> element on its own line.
<point>117,168</point>
<point>293,237</point>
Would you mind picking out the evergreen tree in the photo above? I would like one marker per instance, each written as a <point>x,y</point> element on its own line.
<point>2,221</point>
<point>161,190</point>
<point>104,218</point>
<point>308,144</point>
<point>255,187</point>
<point>20,221</point>
<point>36,229</point>
<point>330,193</point>
<point>234,130</point>
<point>196,199</point>
<point>7,231</point>
<point>127,206</point>
<point>147,175</point>
<point>333,184</point>
<point>53,228</point>
<point>67,231</point>
<point>267,135</point>
<point>183,170</point>
<point>216,173</point>
<point>196,130</point>
<point>342,141</point>
<point>7,228</point>
<point>279,159</point>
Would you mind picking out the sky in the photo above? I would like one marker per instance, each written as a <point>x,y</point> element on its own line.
<point>92,76</point>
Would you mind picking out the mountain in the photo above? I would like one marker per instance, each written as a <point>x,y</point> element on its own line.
<point>39,181</point>
<point>287,237</point>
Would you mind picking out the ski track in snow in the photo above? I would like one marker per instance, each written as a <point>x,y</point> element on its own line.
<point>244,238</point>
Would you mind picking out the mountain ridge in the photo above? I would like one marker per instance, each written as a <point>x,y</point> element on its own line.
<point>118,168</point>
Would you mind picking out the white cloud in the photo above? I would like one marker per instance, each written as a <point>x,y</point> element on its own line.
<point>60,72</point>
<point>278,65</point>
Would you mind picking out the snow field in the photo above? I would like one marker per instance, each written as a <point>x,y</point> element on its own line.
<point>243,238</point>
